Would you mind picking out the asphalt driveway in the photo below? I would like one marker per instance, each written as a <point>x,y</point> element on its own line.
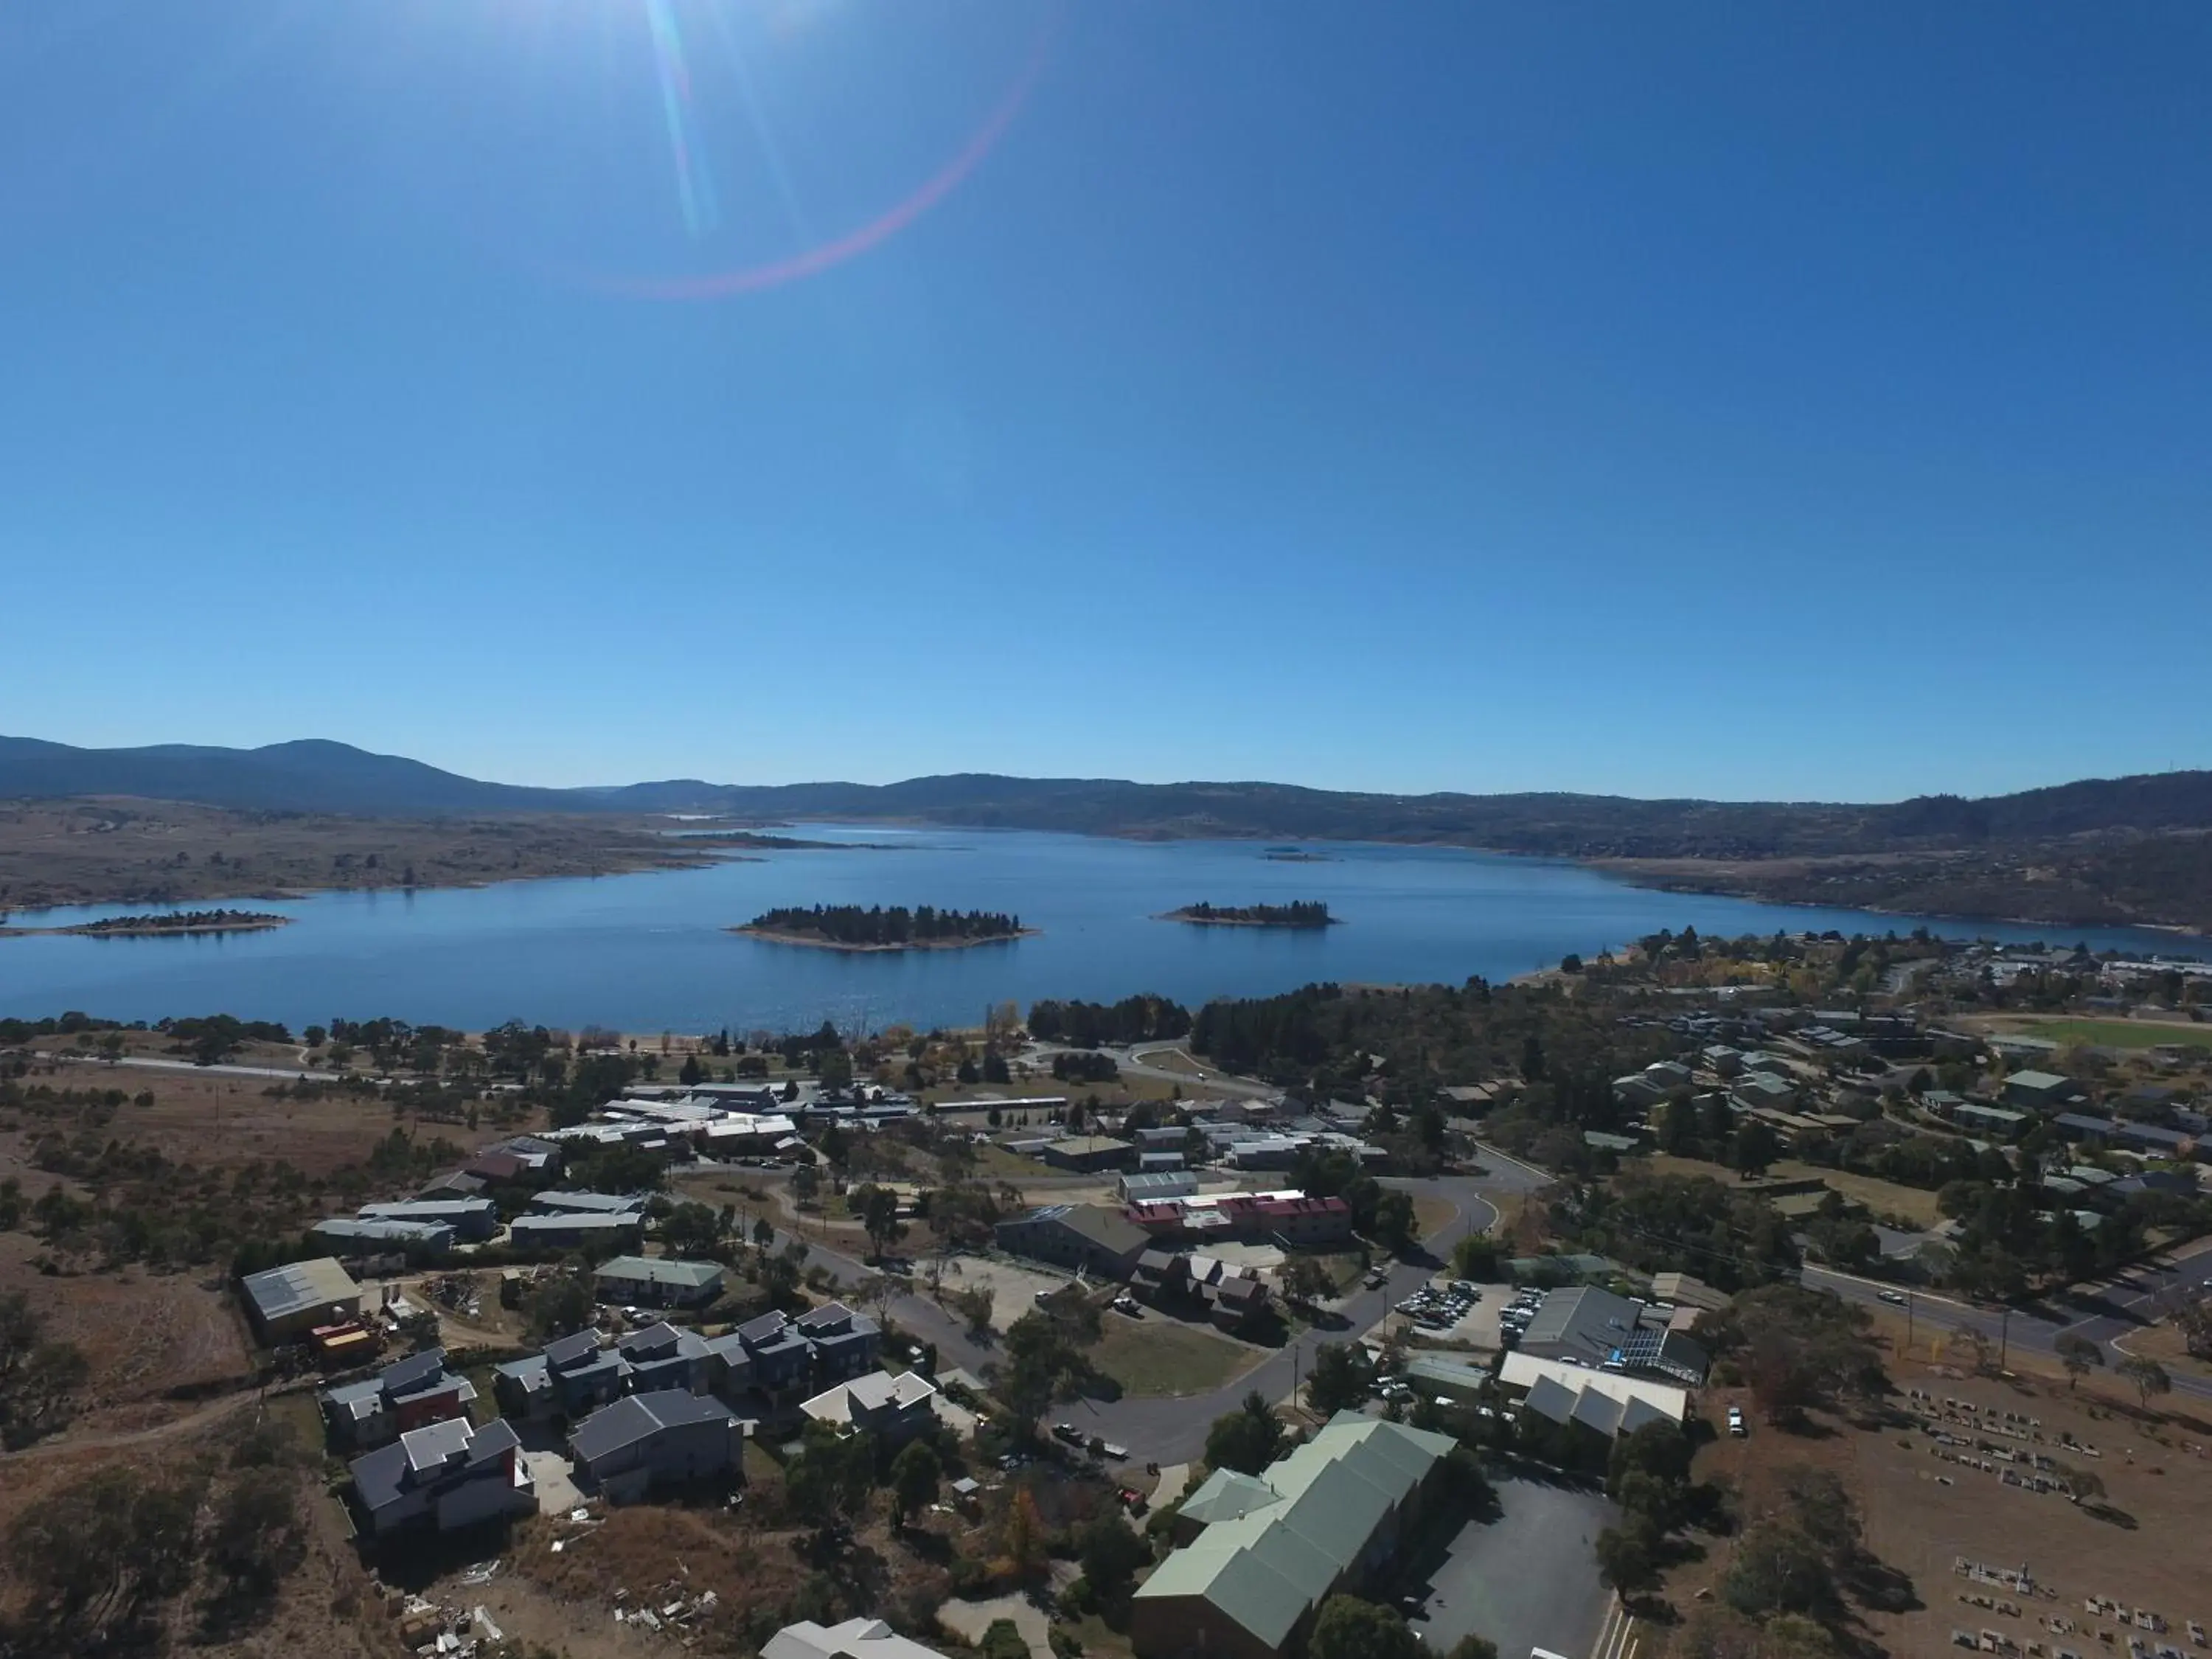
<point>1526,1580</point>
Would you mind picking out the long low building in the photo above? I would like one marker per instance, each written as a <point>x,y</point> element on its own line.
<point>1607,1402</point>
<point>1271,1549</point>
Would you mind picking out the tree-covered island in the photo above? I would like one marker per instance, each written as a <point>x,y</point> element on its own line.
<point>850,927</point>
<point>1304,913</point>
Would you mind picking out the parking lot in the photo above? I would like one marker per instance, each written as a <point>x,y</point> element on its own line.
<point>1527,1579</point>
<point>1440,1313</point>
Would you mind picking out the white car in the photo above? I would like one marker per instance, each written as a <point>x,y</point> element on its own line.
<point>1895,1298</point>
<point>1736,1424</point>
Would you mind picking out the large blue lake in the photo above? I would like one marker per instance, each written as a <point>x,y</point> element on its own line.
<point>648,952</point>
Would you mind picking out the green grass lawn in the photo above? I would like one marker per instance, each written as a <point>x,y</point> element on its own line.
<point>2116,1033</point>
<point>1156,1356</point>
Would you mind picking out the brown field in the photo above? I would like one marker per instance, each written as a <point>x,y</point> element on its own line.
<point>128,851</point>
<point>1881,1198</point>
<point>2158,1473</point>
<point>223,1119</point>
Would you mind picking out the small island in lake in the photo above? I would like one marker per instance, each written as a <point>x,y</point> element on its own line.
<point>1297,855</point>
<point>849,927</point>
<point>1310,913</point>
<point>167,923</point>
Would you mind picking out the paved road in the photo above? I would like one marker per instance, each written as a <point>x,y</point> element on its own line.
<point>2101,1314</point>
<point>151,1063</point>
<point>1131,1062</point>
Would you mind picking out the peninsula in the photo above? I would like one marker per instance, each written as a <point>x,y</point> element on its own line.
<point>1308,912</point>
<point>849,927</point>
<point>166,923</point>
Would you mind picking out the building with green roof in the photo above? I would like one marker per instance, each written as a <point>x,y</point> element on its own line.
<point>1268,1550</point>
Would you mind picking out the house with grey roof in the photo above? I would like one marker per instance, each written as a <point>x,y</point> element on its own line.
<point>474,1218</point>
<point>577,1230</point>
<point>648,1440</point>
<point>585,1203</point>
<point>1268,1551</point>
<point>1081,1237</point>
<point>448,1475</point>
<point>361,1236</point>
<point>657,1281</point>
<point>575,1375</point>
<point>379,1409</point>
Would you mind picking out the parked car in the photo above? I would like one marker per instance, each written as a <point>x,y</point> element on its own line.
<point>1736,1423</point>
<point>1895,1298</point>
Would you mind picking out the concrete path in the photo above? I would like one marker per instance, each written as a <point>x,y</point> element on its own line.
<point>969,1619</point>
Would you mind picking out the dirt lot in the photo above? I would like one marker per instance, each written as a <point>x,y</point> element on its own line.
<point>144,1335</point>
<point>2159,1481</point>
<point>1014,1290</point>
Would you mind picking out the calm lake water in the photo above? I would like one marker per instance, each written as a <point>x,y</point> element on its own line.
<point>647,952</point>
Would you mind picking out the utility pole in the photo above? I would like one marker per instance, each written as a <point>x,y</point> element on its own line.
<point>1908,1320</point>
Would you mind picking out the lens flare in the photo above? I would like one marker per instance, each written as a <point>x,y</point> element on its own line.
<point>694,182</point>
<point>819,256</point>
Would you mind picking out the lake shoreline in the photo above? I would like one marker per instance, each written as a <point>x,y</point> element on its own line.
<point>1188,920</point>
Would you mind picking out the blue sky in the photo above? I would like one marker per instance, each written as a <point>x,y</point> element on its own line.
<point>1805,401</point>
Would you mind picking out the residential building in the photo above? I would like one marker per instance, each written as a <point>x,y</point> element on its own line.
<point>2039,1091</point>
<point>2135,1137</point>
<point>787,1359</point>
<point>1327,1518</point>
<point>1081,1237</point>
<point>577,1230</point>
<point>1088,1154</point>
<point>856,1639</point>
<point>648,1440</point>
<point>352,1235</point>
<point>1288,1217</point>
<point>1151,1189</point>
<point>1683,1290</point>
<point>1234,1297</point>
<point>289,1302</point>
<point>585,1203</point>
<point>400,1398</point>
<point>447,1474</point>
<point>1999,1122</point>
<point>657,1281</point>
<point>1638,1090</point>
<point>472,1219</point>
<point>1755,1090</point>
<point>893,1409</point>
<point>661,1357</point>
<point>572,1377</point>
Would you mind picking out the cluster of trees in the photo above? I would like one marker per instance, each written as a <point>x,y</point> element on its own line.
<point>1403,1045</point>
<point>849,924</point>
<point>1347,1627</point>
<point>1649,1477</point>
<point>1301,912</point>
<point>177,921</point>
<point>1142,1018</point>
<point>1384,1214</point>
<point>211,1038</point>
<point>1796,1349</point>
<point>1043,1358</point>
<point>1729,1238</point>
<point>1084,1066</point>
<point>2012,1236</point>
<point>102,1561</point>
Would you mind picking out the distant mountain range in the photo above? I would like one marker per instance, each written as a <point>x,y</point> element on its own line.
<point>316,775</point>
